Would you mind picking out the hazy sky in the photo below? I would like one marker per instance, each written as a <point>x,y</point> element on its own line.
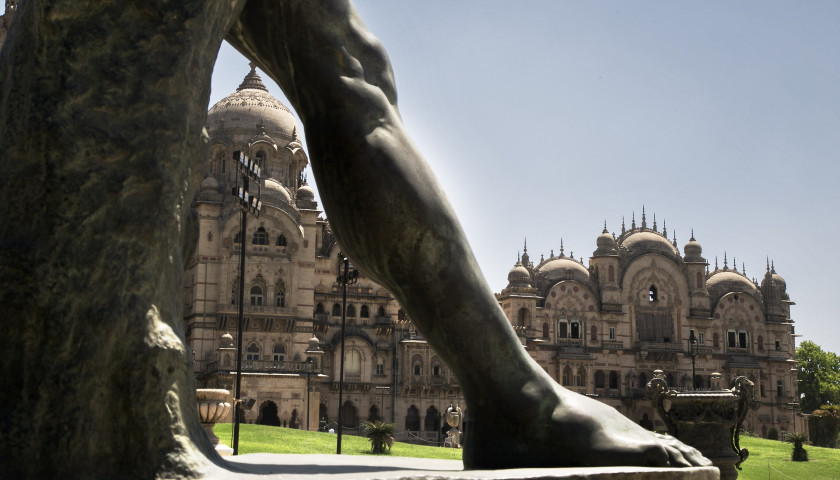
<point>543,119</point>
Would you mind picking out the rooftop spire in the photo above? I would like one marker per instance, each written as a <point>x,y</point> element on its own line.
<point>633,223</point>
<point>622,225</point>
<point>725,265</point>
<point>561,248</point>
<point>692,236</point>
<point>654,221</point>
<point>605,227</point>
<point>644,219</point>
<point>664,229</point>
<point>252,80</point>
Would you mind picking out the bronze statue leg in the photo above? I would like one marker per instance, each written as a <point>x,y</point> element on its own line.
<point>395,223</point>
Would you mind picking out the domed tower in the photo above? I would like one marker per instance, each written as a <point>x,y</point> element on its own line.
<point>519,299</point>
<point>279,241</point>
<point>605,261</point>
<point>776,300</point>
<point>695,266</point>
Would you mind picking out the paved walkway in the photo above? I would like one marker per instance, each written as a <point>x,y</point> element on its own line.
<point>340,467</point>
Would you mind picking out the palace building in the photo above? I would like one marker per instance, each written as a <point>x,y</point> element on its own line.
<point>600,329</point>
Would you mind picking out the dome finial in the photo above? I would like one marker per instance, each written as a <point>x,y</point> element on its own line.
<point>743,269</point>
<point>605,227</point>
<point>664,229</point>
<point>622,225</point>
<point>561,248</point>
<point>525,248</point>
<point>633,222</point>
<point>252,80</point>
<point>654,221</point>
<point>552,253</point>
<point>692,236</point>
<point>725,263</point>
<point>772,266</point>
<point>716,265</point>
<point>768,264</point>
<point>644,218</point>
<point>734,265</point>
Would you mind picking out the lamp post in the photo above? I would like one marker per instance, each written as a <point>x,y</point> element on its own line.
<point>692,350</point>
<point>308,394</point>
<point>247,172</point>
<point>348,277</point>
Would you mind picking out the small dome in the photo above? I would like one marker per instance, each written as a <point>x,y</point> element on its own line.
<point>210,183</point>
<point>606,245</point>
<point>693,251</point>
<point>519,276</point>
<point>305,192</point>
<point>643,242</point>
<point>274,192</point>
<point>226,341</point>
<point>726,281</point>
<point>775,280</point>
<point>564,268</point>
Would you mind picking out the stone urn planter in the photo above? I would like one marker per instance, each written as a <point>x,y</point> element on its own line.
<point>213,407</point>
<point>708,420</point>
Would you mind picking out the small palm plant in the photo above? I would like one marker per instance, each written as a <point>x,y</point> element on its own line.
<point>380,435</point>
<point>799,453</point>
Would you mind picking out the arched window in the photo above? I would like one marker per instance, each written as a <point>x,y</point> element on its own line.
<point>642,380</point>
<point>252,352</point>
<point>380,366</point>
<point>401,314</point>
<point>652,294</point>
<point>524,317</point>
<point>380,311</point>
<point>234,295</point>
<point>699,280</point>
<point>567,376</point>
<point>562,327</point>
<point>412,419</point>
<point>352,363</point>
<point>432,421</point>
<point>364,312</point>
<point>336,311</point>
<point>281,240</point>
<point>715,340</point>
<point>280,299</point>
<point>613,380</point>
<point>760,342</point>
<point>593,333</point>
<point>351,311</point>
<point>545,330</point>
<point>373,414</point>
<point>436,370</point>
<point>279,353</point>
<point>418,368</point>
<point>780,388</point>
<point>256,296</point>
<point>600,379</point>
<point>236,238</point>
<point>319,308</point>
<point>259,157</point>
<point>260,237</point>
<point>580,377</point>
<point>226,360</point>
<point>611,273</point>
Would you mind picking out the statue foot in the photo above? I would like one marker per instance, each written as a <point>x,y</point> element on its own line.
<point>549,426</point>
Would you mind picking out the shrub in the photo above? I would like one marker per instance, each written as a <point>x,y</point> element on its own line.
<point>799,453</point>
<point>380,435</point>
<point>773,433</point>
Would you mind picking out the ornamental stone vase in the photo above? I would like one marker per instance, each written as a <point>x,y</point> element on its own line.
<point>212,407</point>
<point>708,420</point>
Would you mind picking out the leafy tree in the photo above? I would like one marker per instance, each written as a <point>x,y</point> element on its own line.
<point>819,376</point>
<point>380,434</point>
<point>825,425</point>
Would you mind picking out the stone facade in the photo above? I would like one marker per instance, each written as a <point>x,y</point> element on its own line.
<point>291,295</point>
<point>602,329</point>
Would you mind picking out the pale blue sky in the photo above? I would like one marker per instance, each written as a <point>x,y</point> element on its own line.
<point>542,119</point>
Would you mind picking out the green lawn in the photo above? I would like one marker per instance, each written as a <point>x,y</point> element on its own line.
<point>769,460</point>
<point>260,438</point>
